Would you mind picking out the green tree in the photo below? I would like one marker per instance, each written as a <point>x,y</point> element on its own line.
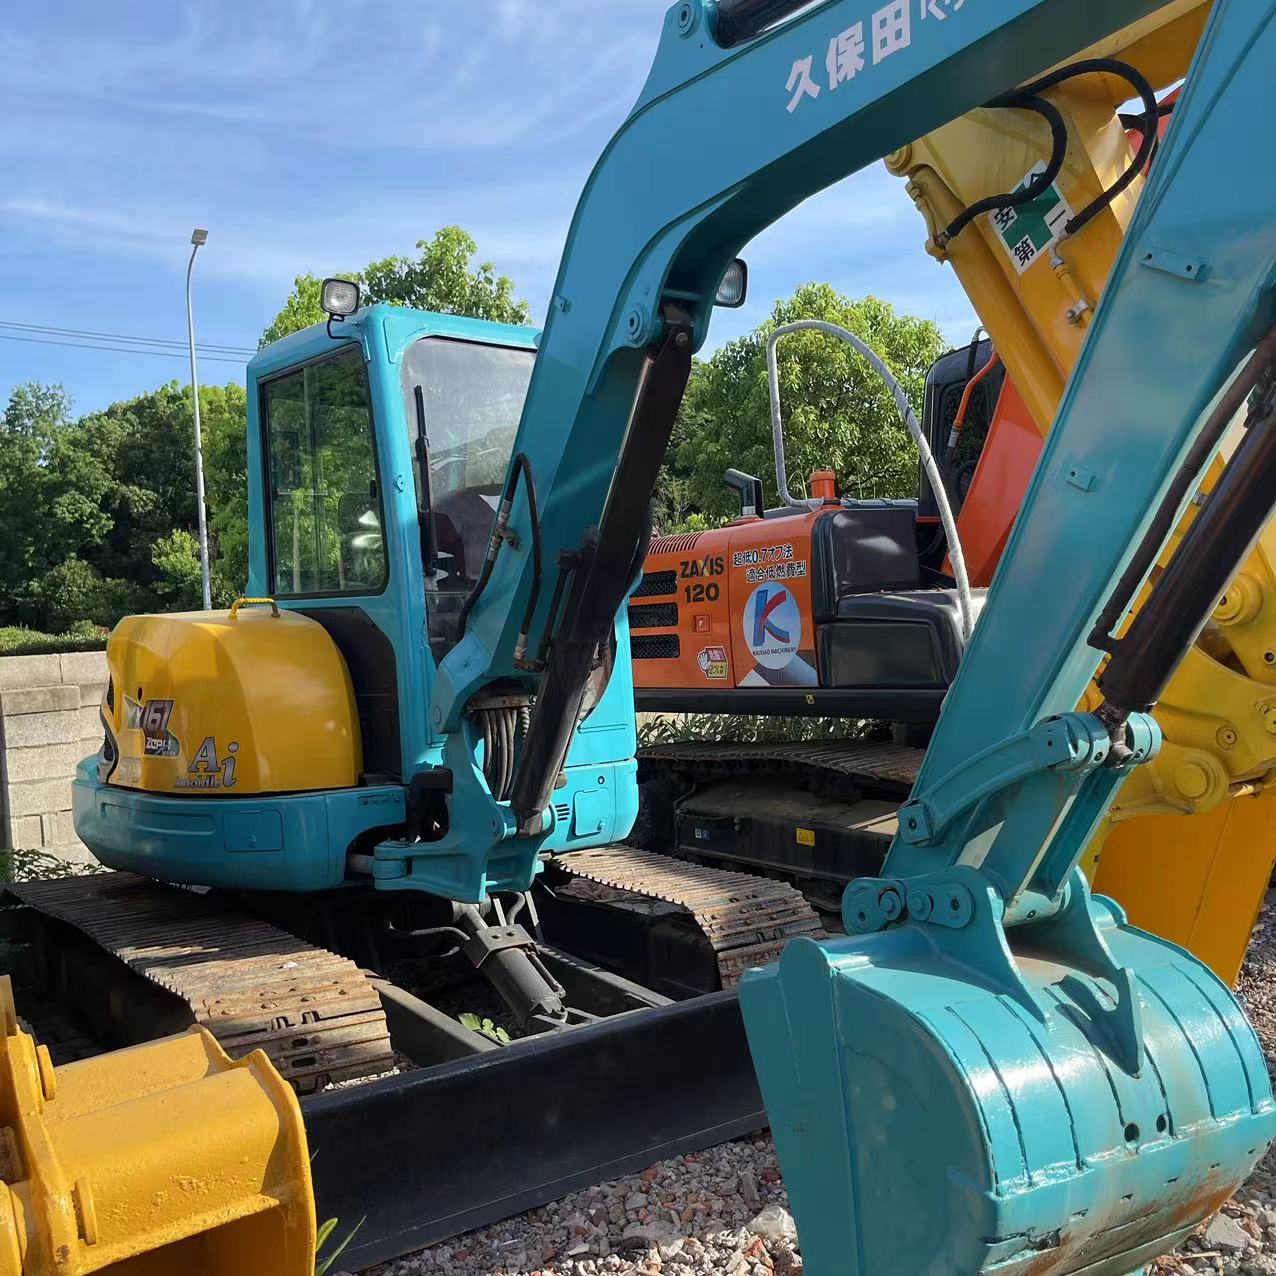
<point>224,422</point>
<point>443,278</point>
<point>97,514</point>
<point>147,446</point>
<point>52,491</point>
<point>31,421</point>
<point>838,414</point>
<point>176,560</point>
<point>35,412</point>
<point>72,592</point>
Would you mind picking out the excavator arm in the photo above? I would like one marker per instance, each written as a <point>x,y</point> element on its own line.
<point>728,135</point>
<point>992,1035</point>
<point>1187,846</point>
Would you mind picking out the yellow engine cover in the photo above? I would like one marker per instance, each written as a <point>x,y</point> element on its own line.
<point>229,703</point>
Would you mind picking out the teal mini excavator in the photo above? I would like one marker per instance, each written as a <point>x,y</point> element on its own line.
<point>993,1072</point>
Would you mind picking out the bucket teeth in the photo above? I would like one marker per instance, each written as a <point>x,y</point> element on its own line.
<point>252,986</point>
<point>746,920</point>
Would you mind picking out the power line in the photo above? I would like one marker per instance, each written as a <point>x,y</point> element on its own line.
<point>160,354</point>
<point>119,336</point>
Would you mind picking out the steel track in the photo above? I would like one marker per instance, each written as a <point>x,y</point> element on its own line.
<point>419,1156</point>
<point>892,768</point>
<point>745,919</point>
<point>251,985</point>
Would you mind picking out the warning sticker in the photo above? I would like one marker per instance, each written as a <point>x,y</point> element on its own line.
<point>713,663</point>
<point>1028,231</point>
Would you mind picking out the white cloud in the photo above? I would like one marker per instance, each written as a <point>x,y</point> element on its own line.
<point>465,77</point>
<point>317,136</point>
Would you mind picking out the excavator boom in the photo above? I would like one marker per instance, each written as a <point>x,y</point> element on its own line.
<point>992,1040</point>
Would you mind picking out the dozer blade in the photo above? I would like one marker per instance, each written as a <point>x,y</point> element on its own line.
<point>1072,1096</point>
<point>155,1160</point>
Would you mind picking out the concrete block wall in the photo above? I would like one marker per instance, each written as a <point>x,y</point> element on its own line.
<point>48,723</point>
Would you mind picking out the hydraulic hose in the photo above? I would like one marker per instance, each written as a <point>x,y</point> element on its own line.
<point>520,465</point>
<point>1020,100</point>
<point>1185,478</point>
<point>1180,603</point>
<point>1027,97</point>
<point>1147,144</point>
<point>946,517</point>
<point>959,421</point>
<point>973,354</point>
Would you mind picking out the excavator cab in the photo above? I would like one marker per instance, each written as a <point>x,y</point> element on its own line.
<point>272,746</point>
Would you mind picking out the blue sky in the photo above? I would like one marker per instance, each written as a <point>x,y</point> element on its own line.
<point>320,134</point>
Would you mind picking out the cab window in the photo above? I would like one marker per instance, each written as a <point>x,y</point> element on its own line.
<point>325,504</point>
<point>468,398</point>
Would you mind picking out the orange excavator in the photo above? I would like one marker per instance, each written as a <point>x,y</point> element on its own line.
<point>825,606</point>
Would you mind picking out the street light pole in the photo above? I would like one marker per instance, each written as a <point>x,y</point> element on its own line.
<point>198,239</point>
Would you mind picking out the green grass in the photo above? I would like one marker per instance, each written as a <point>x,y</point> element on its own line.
<point>37,866</point>
<point>17,641</point>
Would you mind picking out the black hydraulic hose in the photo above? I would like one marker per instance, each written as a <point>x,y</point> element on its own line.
<point>489,759</point>
<point>497,783</point>
<point>1131,121</point>
<point>973,354</point>
<point>520,901</point>
<point>499,727</point>
<point>520,465</point>
<point>1147,144</point>
<point>507,751</point>
<point>1020,100</point>
<point>1026,98</point>
<point>1184,480</point>
<point>567,560</point>
<point>480,585</point>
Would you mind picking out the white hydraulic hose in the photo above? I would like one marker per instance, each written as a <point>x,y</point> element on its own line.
<point>946,518</point>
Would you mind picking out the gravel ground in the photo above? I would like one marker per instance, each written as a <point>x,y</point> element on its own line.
<point>1242,1236</point>
<point>723,1212</point>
